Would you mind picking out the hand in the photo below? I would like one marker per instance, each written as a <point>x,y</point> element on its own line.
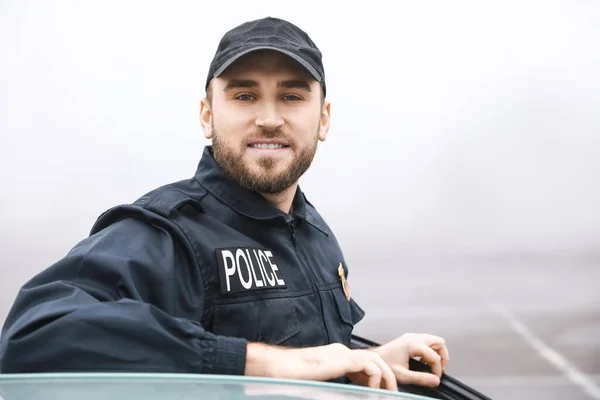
<point>431,349</point>
<point>367,368</point>
<point>322,363</point>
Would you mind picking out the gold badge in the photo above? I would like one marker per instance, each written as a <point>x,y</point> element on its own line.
<point>344,281</point>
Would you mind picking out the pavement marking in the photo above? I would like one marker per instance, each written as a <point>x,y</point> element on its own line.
<point>571,372</point>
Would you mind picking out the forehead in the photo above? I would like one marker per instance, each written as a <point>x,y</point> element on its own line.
<point>266,62</point>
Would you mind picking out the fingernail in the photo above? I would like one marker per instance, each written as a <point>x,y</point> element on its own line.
<point>434,381</point>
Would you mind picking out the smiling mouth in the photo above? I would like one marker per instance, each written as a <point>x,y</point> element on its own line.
<point>268,146</point>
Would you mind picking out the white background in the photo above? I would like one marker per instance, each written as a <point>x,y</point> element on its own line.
<point>459,128</point>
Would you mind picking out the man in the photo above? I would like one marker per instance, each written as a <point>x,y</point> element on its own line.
<point>230,272</point>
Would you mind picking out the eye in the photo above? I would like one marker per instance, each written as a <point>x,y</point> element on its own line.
<point>245,97</point>
<point>292,97</point>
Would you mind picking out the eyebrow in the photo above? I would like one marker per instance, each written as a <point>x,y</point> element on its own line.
<point>248,83</point>
<point>295,84</point>
<point>240,83</point>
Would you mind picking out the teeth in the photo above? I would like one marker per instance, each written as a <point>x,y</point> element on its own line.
<point>269,146</point>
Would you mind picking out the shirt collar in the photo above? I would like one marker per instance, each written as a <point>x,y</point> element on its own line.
<point>247,202</point>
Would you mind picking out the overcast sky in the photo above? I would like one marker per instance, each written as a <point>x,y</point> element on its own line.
<point>457,127</point>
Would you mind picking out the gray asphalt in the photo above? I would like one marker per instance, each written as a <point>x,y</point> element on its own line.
<point>518,327</point>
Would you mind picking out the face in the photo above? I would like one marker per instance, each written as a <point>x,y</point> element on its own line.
<point>265,117</point>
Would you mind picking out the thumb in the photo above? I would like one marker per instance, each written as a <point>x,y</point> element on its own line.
<point>409,377</point>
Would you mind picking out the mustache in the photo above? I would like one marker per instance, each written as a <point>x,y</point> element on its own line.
<point>270,134</point>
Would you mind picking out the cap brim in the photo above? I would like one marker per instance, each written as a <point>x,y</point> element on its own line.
<point>296,58</point>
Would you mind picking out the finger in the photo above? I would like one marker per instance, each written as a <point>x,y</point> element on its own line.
<point>431,339</point>
<point>409,377</point>
<point>373,371</point>
<point>429,356</point>
<point>439,345</point>
<point>387,375</point>
<point>442,350</point>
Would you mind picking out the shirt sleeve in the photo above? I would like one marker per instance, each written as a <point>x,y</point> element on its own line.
<point>112,305</point>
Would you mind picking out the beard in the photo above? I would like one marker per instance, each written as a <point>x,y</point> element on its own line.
<point>268,179</point>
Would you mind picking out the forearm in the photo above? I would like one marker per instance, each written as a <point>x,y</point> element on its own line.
<point>320,363</point>
<point>261,360</point>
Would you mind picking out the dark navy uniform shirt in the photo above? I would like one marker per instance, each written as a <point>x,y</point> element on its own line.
<point>180,281</point>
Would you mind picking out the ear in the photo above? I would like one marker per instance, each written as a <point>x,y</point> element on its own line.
<point>206,118</point>
<point>325,118</point>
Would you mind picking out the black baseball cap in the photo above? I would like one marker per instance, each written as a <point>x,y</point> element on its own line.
<point>268,34</point>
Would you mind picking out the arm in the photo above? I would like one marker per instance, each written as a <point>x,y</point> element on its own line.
<point>321,363</point>
<point>109,306</point>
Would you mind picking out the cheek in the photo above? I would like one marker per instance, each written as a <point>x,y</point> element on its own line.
<point>229,126</point>
<point>305,127</point>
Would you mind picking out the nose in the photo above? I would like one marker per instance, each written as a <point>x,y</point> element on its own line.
<point>269,117</point>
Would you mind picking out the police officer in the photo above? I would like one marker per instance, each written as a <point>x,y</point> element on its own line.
<point>232,271</point>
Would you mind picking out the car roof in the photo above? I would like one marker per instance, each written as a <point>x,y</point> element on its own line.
<point>154,386</point>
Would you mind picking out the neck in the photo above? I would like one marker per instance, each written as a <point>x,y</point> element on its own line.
<point>282,200</point>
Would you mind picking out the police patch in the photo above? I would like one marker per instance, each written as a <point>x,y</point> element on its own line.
<point>244,269</point>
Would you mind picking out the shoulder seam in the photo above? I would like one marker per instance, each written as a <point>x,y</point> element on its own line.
<point>149,203</point>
